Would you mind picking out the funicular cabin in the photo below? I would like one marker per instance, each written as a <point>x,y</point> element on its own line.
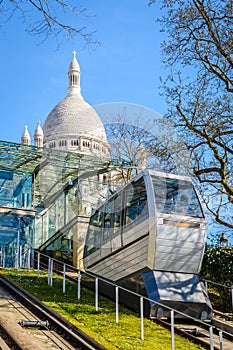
<point>150,236</point>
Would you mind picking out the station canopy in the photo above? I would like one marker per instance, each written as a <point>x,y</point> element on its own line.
<point>17,157</point>
<point>53,168</point>
<point>33,178</point>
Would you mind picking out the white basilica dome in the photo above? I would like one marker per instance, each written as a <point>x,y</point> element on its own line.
<point>72,117</point>
<point>73,125</point>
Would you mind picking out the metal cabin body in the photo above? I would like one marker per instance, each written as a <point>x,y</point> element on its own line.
<point>180,291</point>
<point>143,240</point>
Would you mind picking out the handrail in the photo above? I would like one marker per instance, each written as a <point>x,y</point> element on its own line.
<point>117,288</point>
<point>217,284</point>
<point>28,259</point>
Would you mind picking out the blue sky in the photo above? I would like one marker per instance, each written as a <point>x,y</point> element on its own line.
<point>125,67</point>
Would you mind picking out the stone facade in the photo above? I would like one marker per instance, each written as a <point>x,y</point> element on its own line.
<point>72,125</point>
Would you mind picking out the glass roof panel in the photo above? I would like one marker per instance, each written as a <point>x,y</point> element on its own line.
<point>22,158</point>
<point>51,169</point>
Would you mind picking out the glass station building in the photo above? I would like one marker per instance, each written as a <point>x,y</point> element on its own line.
<point>46,198</point>
<point>47,191</point>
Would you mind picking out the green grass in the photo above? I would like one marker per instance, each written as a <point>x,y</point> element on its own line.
<point>99,324</point>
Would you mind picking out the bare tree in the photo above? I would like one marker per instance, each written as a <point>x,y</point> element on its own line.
<point>150,144</point>
<point>126,142</point>
<point>198,50</point>
<point>48,18</point>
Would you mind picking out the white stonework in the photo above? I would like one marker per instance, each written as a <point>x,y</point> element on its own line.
<point>38,136</point>
<point>26,138</point>
<point>73,125</point>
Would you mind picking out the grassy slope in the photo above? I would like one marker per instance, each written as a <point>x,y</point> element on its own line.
<point>99,324</point>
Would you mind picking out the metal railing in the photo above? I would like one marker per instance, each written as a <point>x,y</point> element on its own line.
<point>142,299</point>
<point>230,288</point>
<point>22,257</point>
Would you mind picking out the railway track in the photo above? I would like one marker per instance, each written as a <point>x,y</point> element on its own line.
<point>27,324</point>
<point>197,332</point>
<point>200,335</point>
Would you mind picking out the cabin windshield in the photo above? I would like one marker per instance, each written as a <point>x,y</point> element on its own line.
<point>176,196</point>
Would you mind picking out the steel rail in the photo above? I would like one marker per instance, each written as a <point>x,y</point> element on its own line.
<point>9,339</point>
<point>74,334</point>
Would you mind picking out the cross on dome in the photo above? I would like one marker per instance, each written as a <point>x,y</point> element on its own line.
<point>74,53</point>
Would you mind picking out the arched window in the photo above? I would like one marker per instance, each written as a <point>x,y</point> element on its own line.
<point>62,143</point>
<point>74,142</point>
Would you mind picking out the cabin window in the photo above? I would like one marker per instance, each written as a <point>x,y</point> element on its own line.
<point>94,235</point>
<point>117,215</point>
<point>107,221</point>
<point>136,201</point>
<point>90,243</point>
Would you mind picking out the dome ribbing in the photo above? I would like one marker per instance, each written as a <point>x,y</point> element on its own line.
<point>73,124</point>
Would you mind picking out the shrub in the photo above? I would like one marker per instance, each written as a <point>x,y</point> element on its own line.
<point>217,266</point>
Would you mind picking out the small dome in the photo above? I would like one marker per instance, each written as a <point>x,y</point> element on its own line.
<point>26,138</point>
<point>38,132</point>
<point>74,66</point>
